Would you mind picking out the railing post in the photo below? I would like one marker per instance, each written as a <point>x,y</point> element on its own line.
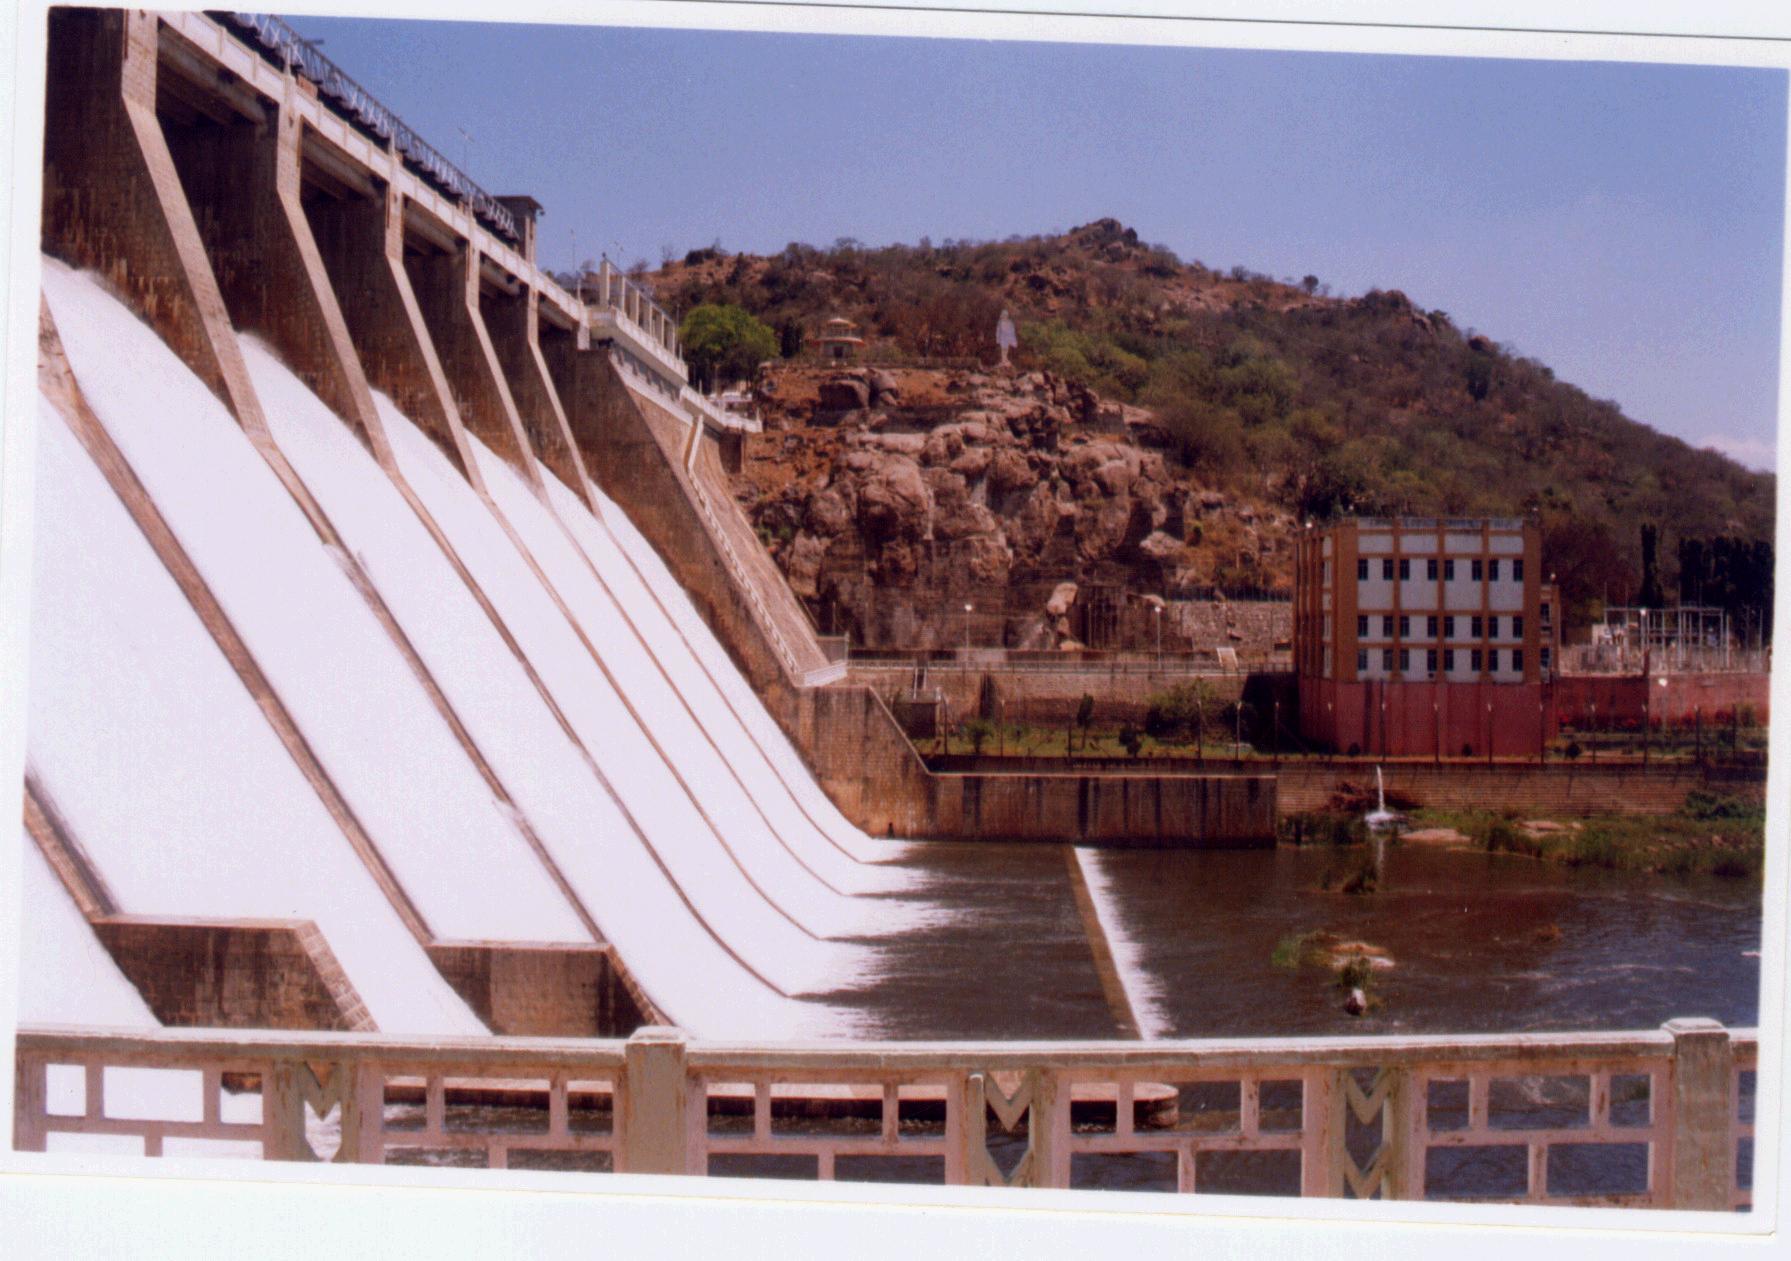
<point>1702,1166</point>
<point>283,1112</point>
<point>655,1098</point>
<point>1048,1131</point>
<point>29,1098</point>
<point>1321,1133</point>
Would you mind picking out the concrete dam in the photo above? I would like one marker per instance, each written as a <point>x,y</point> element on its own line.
<point>399,660</point>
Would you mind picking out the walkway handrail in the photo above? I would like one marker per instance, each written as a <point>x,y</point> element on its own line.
<point>1679,1092</point>
<point>817,677</point>
<point>360,106</point>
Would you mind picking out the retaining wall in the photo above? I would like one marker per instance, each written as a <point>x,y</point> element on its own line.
<point>541,990</point>
<point>1554,788</point>
<point>233,974</point>
<point>880,783</point>
<point>1050,696</point>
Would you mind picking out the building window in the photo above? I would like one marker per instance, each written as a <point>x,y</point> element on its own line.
<point>1448,658</point>
<point>1430,569</point>
<point>1405,569</point>
<point>1517,628</point>
<point>1449,628</point>
<point>1405,660</point>
<point>1475,571</point>
<point>1517,570</point>
<point>1479,627</point>
<point>1362,661</point>
<point>1449,571</point>
<point>1362,569</point>
<point>1474,659</point>
<point>1545,656</point>
<point>1492,570</point>
<point>1387,659</point>
<point>1387,569</point>
<point>1362,626</point>
<point>1430,660</point>
<point>1517,660</point>
<point>1545,614</point>
<point>1430,627</point>
<point>1405,626</point>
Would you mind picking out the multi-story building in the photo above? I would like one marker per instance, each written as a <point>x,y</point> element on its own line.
<point>1425,637</point>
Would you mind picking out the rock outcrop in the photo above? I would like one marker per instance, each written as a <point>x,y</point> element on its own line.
<point>892,497</point>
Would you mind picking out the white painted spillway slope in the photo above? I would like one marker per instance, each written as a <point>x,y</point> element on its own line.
<point>692,931</point>
<point>163,766</point>
<point>750,780</point>
<point>554,784</point>
<point>453,847</point>
<point>667,709</point>
<point>743,702</point>
<point>65,975</point>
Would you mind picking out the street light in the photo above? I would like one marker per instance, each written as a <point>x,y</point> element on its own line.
<point>1666,713</point>
<point>967,608</point>
<point>1157,617</point>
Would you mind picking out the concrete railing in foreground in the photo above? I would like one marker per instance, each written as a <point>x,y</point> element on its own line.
<point>1658,1119</point>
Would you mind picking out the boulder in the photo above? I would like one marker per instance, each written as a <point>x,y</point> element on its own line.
<point>973,463</point>
<point>827,515</point>
<point>894,503</point>
<point>884,392</point>
<point>843,394</point>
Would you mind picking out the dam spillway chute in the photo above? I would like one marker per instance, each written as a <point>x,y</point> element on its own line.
<point>162,764</point>
<point>687,967</point>
<point>696,666</point>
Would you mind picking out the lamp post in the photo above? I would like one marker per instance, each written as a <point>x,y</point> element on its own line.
<point>1436,728</point>
<point>967,608</point>
<point>1157,616</point>
<point>1594,741</point>
<point>1489,734</point>
<point>1666,713</point>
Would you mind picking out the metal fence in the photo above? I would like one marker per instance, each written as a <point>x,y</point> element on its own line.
<point>282,44</point>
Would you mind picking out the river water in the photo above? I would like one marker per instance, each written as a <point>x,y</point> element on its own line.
<point>1479,943</point>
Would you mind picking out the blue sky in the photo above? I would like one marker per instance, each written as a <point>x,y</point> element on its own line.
<point>1623,223</point>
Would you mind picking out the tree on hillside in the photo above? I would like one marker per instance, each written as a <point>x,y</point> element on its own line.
<point>724,343</point>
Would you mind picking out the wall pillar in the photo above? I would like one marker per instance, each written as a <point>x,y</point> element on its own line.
<point>361,243</point>
<point>113,201</point>
<point>514,323</point>
<point>242,179</point>
<point>447,289</point>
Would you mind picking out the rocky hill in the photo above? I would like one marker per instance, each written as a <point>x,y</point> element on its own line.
<point>1166,427</point>
<point>894,496</point>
